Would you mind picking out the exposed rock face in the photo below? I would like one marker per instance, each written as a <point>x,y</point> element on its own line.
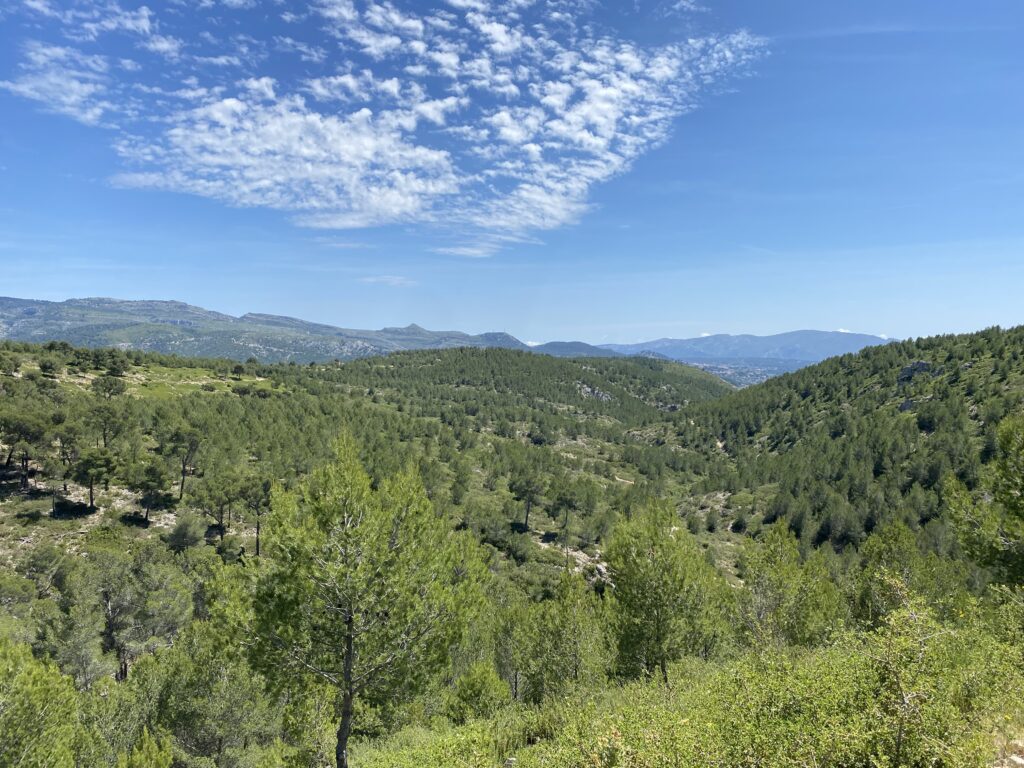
<point>588,391</point>
<point>909,372</point>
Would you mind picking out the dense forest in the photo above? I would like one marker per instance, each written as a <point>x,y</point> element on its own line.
<point>485,557</point>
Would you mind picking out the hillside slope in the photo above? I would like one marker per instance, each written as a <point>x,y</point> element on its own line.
<point>837,448</point>
<point>493,410</point>
<point>567,478</point>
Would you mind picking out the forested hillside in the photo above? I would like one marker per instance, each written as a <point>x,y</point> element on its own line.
<point>837,449</point>
<point>173,327</point>
<point>463,556</point>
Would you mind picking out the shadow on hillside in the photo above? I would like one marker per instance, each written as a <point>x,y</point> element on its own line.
<point>10,485</point>
<point>72,510</point>
<point>135,520</point>
<point>14,489</point>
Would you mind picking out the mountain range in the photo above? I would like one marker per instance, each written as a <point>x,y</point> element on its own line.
<point>174,327</point>
<point>802,346</point>
<point>746,359</point>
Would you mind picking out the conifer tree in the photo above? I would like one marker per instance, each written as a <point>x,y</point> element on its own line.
<point>362,589</point>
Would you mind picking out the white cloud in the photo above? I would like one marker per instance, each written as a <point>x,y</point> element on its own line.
<point>436,110</point>
<point>89,20</point>
<point>486,244</point>
<point>504,40</point>
<point>223,60</point>
<point>138,21</point>
<point>336,172</point>
<point>64,81</point>
<point>386,16</point>
<point>165,45</point>
<point>306,51</point>
<point>489,118</point>
<point>375,44</point>
<point>343,245</point>
<point>687,5</point>
<point>478,251</point>
<point>339,87</point>
<point>261,87</point>
<point>394,281</point>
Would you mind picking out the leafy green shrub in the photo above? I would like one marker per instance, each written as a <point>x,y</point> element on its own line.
<point>912,693</point>
<point>478,692</point>
<point>39,712</point>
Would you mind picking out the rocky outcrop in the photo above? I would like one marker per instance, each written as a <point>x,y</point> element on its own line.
<point>907,373</point>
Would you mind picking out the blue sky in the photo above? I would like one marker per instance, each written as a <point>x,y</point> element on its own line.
<point>552,168</point>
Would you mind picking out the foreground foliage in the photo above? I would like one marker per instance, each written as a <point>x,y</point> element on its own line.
<point>911,693</point>
<point>572,563</point>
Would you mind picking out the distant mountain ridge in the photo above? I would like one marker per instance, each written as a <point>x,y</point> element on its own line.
<point>173,327</point>
<point>794,347</point>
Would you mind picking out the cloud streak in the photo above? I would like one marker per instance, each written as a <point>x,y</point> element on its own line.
<point>489,119</point>
<point>393,281</point>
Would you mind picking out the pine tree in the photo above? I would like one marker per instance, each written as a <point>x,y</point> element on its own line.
<point>362,589</point>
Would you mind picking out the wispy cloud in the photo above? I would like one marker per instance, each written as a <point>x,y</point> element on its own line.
<point>341,245</point>
<point>486,244</point>
<point>65,80</point>
<point>395,281</point>
<point>488,119</point>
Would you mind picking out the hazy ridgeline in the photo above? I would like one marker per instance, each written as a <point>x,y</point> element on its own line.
<point>458,557</point>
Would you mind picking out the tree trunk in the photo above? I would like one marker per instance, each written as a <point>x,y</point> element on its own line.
<point>345,726</point>
<point>526,520</point>
<point>91,504</point>
<point>664,672</point>
<point>257,535</point>
<point>181,488</point>
<point>10,458</point>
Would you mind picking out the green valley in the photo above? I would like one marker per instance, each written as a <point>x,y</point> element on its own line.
<point>486,557</point>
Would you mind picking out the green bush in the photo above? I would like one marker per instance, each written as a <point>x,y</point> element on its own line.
<point>39,712</point>
<point>911,694</point>
<point>478,692</point>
